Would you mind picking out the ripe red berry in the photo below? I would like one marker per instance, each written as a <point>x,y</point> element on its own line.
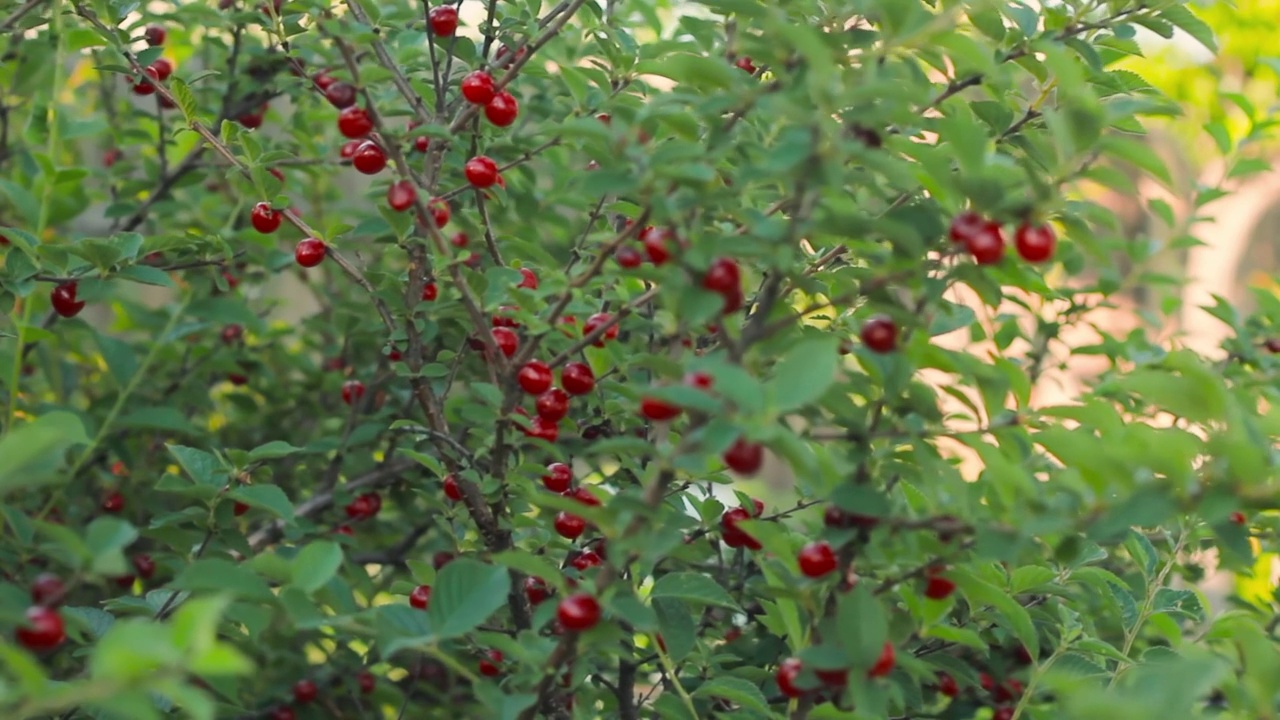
<point>535,589</point>
<point>569,526</point>
<point>64,300</point>
<point>535,377</point>
<point>47,590</point>
<point>253,119</point>
<point>577,379</point>
<point>543,429</point>
<point>421,143</point>
<point>401,194</point>
<point>578,612</point>
<point>264,219</point>
<point>232,334</point>
<point>345,529</point>
<point>352,391</point>
<point>489,666</point>
<point>420,598</point>
<point>744,64</point>
<point>349,148</point>
<point>1035,243</point>
<point>284,712</point>
<point>833,678</point>
<point>366,681</point>
<point>113,502</point>
<point>658,410</point>
<point>354,122</point>
<point>155,35</point>
<point>481,171</point>
<point>443,20</point>
<point>503,109</point>
<point>987,245</point>
<point>816,559</point>
<point>430,292</point>
<point>310,252</point>
<point>145,86</point>
<point>655,241</point>
<point>1003,713</point>
<point>451,489</point>
<point>597,321</point>
<point>628,257</point>
<point>938,587</point>
<point>885,663</point>
<point>440,212</point>
<point>558,478</point>
<point>477,87</point>
<point>966,225</point>
<point>733,535</point>
<point>144,565</point>
<point>1239,518</point>
<point>359,508</point>
<point>723,277</point>
<point>553,405</point>
<point>163,68</point>
<point>341,95</point>
<point>947,685</point>
<point>528,279</point>
<point>786,676</point>
<point>43,629</point>
<point>369,158</point>
<point>880,334</point>
<point>744,457</point>
<point>304,691</point>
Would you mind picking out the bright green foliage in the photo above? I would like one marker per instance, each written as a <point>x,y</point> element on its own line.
<point>280,438</point>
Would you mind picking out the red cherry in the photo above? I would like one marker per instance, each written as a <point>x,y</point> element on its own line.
<point>477,87</point>
<point>543,429</point>
<point>503,109</point>
<point>63,298</point>
<point>430,292</point>
<point>349,148</point>
<point>938,587</point>
<point>987,245</point>
<point>578,612</point>
<point>628,257</point>
<point>535,377</point>
<point>1239,518</point>
<point>354,122</point>
<point>439,208</point>
<point>599,320</point>
<point>109,158</point>
<point>786,676</point>
<point>966,225</point>
<point>658,410</point>
<point>345,530</point>
<point>744,64</point>
<point>43,629</point>
<point>401,194</point>
<point>283,713</point>
<point>577,379</point>
<point>558,478</point>
<point>451,489</point>
<point>323,80</point>
<point>833,678</point>
<point>304,691</point>
<point>553,405</point>
<point>655,243</point>
<point>163,68</point>
<point>489,666</point>
<point>420,598</point>
<point>264,219</point>
<point>528,279</point>
<point>725,278</point>
<point>443,20</point>
<point>481,171</point>
<point>47,590</point>
<point>253,119</point>
<point>1004,713</point>
<point>1035,243</point>
<point>358,509</point>
<point>145,86</point>
<point>352,391</point>
<point>586,560</point>
<point>700,380</point>
<point>124,581</point>
<point>144,565</point>
<point>421,143</point>
<point>885,663</point>
<point>366,681</point>
<point>947,685</point>
<point>506,340</point>
<point>734,536</point>
<point>535,589</point>
<point>154,35</point>
<point>276,174</point>
<point>987,682</point>
<point>310,252</point>
<point>816,559</point>
<point>880,334</point>
<point>442,558</point>
<point>341,95</point>
<point>113,503</point>
<point>569,526</point>
<point>743,457</point>
<point>369,158</point>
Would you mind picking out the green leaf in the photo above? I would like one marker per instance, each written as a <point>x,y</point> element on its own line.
<point>692,587</point>
<point>222,575</point>
<point>120,358</point>
<point>805,373</point>
<point>316,565</point>
<point>203,467</point>
<point>33,452</point>
<point>675,622</point>
<point>1182,18</point>
<point>108,537</point>
<point>146,275</point>
<point>736,690</point>
<point>268,497</point>
<point>698,71</point>
<point>466,593</point>
<point>862,626</point>
<point>272,450</point>
<point>400,626</point>
<point>166,418</point>
<point>185,98</point>
<point>981,593</point>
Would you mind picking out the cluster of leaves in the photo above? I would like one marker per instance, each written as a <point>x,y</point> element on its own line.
<point>723,235</point>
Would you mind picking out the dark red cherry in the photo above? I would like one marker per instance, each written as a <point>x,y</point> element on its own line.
<point>63,298</point>
<point>1035,243</point>
<point>558,478</point>
<point>369,158</point>
<point>477,87</point>
<point>880,334</point>
<point>553,405</point>
<point>744,457</point>
<point>502,110</point>
<point>535,377</point>
<point>264,219</point>
<point>310,252</point>
<point>401,194</point>
<point>341,95</point>
<point>354,122</point>
<point>577,379</point>
<point>443,20</point>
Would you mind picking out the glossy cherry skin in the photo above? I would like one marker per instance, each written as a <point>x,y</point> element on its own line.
<point>597,321</point>
<point>440,211</point>
<point>443,20</point>
<point>1003,713</point>
<point>47,590</point>
<point>155,35</point>
<point>490,666</point>
<point>113,503</point>
<point>369,158</point>
<point>506,340</point>
<point>43,629</point>
<point>966,225</point>
<point>63,298</point>
<point>734,536</point>
<point>656,243</point>
<point>652,408</point>
<point>744,64</point>
<point>304,691</point>
<point>310,252</point>
<point>535,589</point>
<point>401,194</point>
<point>947,685</point>
<point>535,377</point>
<point>885,663</point>
<point>987,245</point>
<point>502,110</point>
<point>787,674</point>
<point>578,612</point>
<point>420,598</point>
<point>816,559</point>
<point>366,681</point>
<point>1035,243</point>
<point>341,95</point>
<point>145,86</point>
<point>430,292</point>
<point>481,171</point>
<point>163,68</point>
<point>354,122</point>
<point>264,219</point>
<point>144,565</point>
<point>569,526</point>
<point>558,478</point>
<point>352,391</point>
<point>744,457</point>
<point>283,712</point>
<point>723,277</point>
<point>938,587</point>
<point>253,119</point>
<point>528,279</point>
<point>451,489</point>
<point>628,257</point>
<point>880,334</point>
<point>577,379</point>
<point>553,405</point>
<point>477,87</point>
<point>543,429</point>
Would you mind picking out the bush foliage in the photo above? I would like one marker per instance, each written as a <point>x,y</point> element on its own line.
<point>595,360</point>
